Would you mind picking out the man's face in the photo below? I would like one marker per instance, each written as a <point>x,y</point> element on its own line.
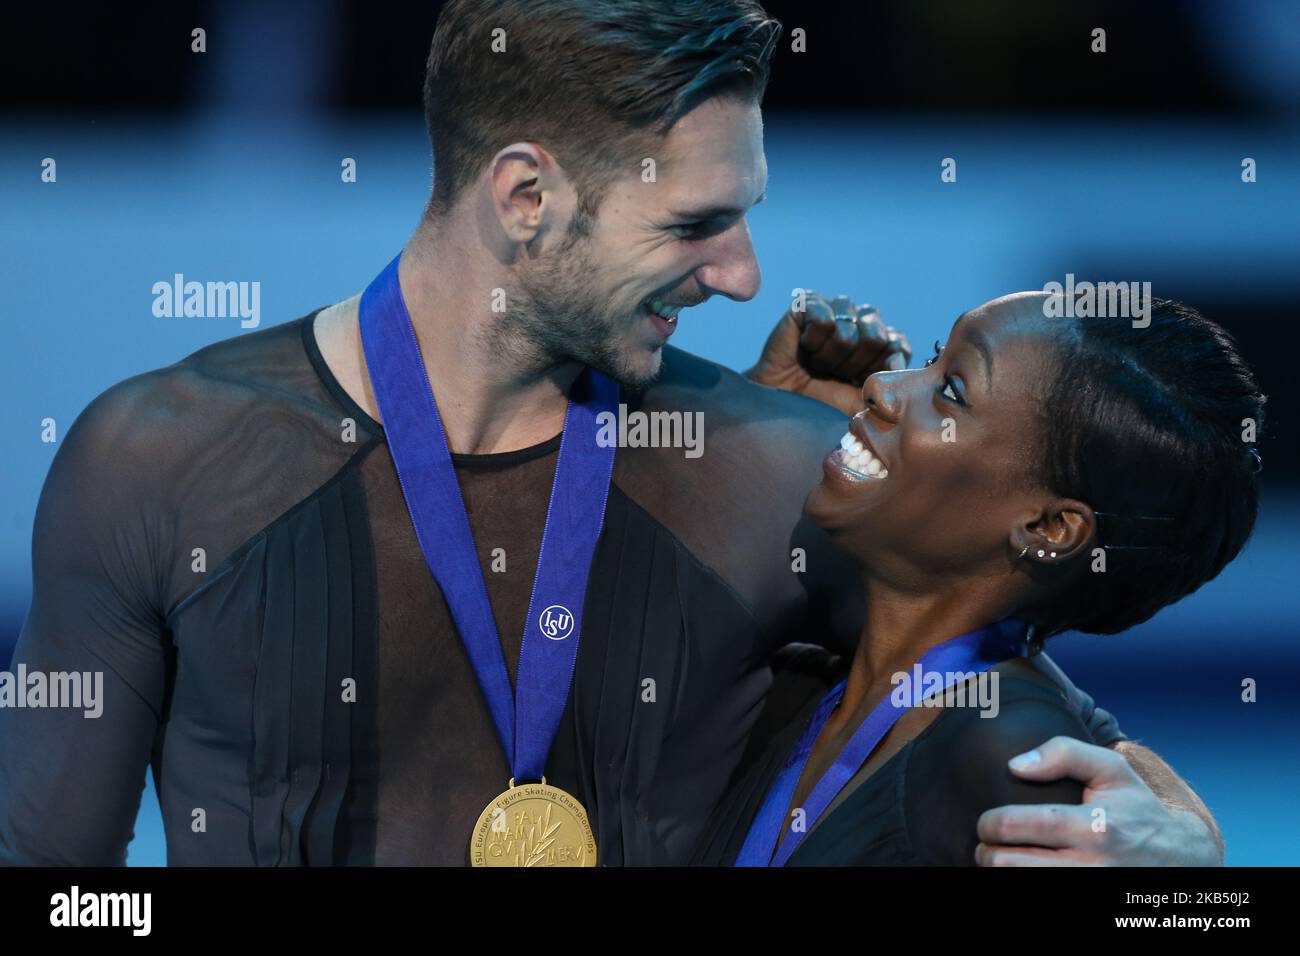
<point>610,299</point>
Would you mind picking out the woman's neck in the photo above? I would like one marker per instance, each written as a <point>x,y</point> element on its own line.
<point>900,627</point>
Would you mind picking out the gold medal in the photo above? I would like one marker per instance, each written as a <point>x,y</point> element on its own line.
<point>533,824</point>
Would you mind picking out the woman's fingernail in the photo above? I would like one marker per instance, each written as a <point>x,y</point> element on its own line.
<point>1026,760</point>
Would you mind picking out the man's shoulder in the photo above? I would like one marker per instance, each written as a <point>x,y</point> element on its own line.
<point>226,377</point>
<point>273,359</point>
<point>210,449</point>
<point>690,382</point>
<point>734,495</point>
<point>248,403</point>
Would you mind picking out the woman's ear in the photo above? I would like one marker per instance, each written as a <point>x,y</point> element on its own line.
<point>1057,532</point>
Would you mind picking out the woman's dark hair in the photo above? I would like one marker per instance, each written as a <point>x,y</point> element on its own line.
<point>1152,428</point>
<point>596,83</point>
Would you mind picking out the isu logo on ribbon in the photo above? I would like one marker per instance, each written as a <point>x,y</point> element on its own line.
<point>556,622</point>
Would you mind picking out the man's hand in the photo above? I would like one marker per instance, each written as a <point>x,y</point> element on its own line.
<point>826,350</point>
<point>1133,827</point>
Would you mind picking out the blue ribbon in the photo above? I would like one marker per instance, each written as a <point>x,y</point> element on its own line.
<point>970,653</point>
<point>526,721</point>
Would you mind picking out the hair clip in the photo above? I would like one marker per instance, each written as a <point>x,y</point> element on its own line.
<point>1259,461</point>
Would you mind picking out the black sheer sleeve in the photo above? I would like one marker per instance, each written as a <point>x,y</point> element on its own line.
<point>71,778</point>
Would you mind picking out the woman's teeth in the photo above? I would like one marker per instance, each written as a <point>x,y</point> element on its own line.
<point>859,458</point>
<point>662,308</point>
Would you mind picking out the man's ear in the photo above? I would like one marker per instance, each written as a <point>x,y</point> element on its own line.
<point>1056,532</point>
<point>530,194</point>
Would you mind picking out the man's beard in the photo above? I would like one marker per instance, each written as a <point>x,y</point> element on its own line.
<point>556,314</point>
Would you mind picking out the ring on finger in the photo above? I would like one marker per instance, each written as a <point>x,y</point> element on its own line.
<point>869,327</point>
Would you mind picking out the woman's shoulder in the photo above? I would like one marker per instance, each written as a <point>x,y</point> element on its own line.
<point>1010,708</point>
<point>958,766</point>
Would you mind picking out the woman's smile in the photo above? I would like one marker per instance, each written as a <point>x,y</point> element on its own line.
<point>856,455</point>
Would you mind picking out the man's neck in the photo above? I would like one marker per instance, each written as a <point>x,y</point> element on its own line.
<point>490,399</point>
<point>488,403</point>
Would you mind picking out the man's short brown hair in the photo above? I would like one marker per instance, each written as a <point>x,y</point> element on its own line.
<point>592,81</point>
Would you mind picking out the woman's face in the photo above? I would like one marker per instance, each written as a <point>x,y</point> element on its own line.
<point>956,444</point>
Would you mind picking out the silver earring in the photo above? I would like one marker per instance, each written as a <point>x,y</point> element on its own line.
<point>1042,553</point>
<point>1024,551</point>
<point>1053,554</point>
